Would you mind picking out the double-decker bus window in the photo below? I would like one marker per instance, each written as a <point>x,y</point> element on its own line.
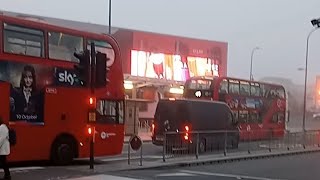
<point>235,116</point>
<point>244,88</point>
<point>278,117</point>
<point>62,46</point>
<point>233,87</point>
<point>200,84</point>
<point>266,90</point>
<point>110,112</point>
<point>255,89</point>
<point>255,117</point>
<point>23,41</point>
<point>280,92</point>
<point>275,118</point>
<point>223,89</point>
<point>121,112</point>
<point>243,116</point>
<point>103,47</point>
<point>281,117</point>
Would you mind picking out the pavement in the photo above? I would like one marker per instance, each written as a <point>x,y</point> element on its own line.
<point>104,165</point>
<point>259,165</point>
<point>298,167</point>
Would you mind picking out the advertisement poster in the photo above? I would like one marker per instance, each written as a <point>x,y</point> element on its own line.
<point>27,88</point>
<point>171,67</point>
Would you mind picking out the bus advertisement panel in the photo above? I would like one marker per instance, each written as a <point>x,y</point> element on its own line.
<point>27,82</point>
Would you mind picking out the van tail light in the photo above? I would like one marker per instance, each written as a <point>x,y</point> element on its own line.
<point>186,135</point>
<point>152,128</point>
<point>186,128</point>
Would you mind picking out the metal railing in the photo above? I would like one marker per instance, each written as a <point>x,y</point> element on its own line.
<point>197,143</point>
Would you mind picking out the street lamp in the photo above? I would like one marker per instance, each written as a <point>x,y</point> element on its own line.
<point>316,24</point>
<point>109,16</point>
<point>252,52</point>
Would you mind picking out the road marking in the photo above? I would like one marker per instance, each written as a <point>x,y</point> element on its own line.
<point>102,177</point>
<point>174,174</point>
<point>278,145</point>
<point>133,157</point>
<point>24,168</point>
<point>227,175</point>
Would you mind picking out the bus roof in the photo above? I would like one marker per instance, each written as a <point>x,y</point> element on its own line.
<point>45,26</point>
<point>238,79</point>
<point>193,100</point>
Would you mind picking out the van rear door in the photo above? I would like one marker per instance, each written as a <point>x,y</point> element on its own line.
<point>170,116</point>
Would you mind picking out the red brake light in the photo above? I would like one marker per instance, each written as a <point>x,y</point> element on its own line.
<point>186,136</point>
<point>89,131</point>
<point>92,100</point>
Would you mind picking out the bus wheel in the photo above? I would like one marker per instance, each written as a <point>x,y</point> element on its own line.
<point>202,146</point>
<point>63,151</point>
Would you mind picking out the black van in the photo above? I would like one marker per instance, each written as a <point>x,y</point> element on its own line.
<point>186,117</point>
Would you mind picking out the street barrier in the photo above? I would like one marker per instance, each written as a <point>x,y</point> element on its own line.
<point>197,143</point>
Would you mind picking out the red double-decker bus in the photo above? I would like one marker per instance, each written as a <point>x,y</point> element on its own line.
<point>259,108</point>
<point>44,99</point>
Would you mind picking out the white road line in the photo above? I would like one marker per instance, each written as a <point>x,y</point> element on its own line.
<point>102,177</point>
<point>24,168</point>
<point>174,174</point>
<point>227,175</point>
<point>132,157</point>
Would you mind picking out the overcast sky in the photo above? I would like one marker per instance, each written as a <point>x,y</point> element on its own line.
<point>279,27</point>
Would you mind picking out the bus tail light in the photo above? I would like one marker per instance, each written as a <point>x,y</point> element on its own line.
<point>89,130</point>
<point>92,102</point>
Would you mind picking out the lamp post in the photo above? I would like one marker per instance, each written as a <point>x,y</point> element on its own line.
<point>316,24</point>
<point>252,52</point>
<point>109,17</point>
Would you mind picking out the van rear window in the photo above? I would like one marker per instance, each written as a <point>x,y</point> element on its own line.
<point>175,112</point>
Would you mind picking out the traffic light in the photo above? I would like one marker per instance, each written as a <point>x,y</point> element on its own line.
<point>101,70</point>
<point>83,68</point>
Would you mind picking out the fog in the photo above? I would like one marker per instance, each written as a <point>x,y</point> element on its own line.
<point>279,27</point>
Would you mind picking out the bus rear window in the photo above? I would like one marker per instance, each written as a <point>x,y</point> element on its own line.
<point>110,112</point>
